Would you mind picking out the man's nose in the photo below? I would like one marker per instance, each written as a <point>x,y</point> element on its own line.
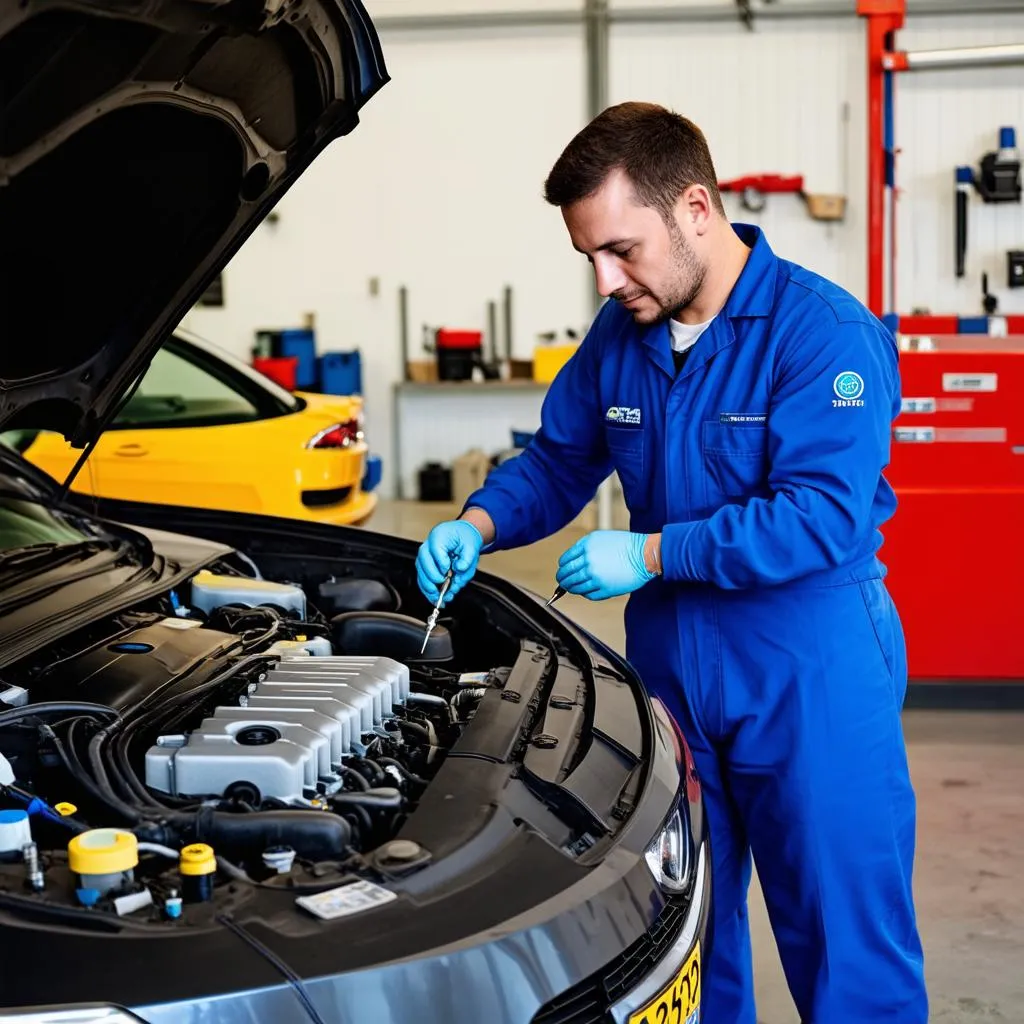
<point>609,276</point>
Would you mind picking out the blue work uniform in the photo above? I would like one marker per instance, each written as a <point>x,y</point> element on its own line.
<point>770,636</point>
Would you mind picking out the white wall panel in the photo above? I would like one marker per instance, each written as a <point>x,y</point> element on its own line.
<point>389,8</point>
<point>945,118</point>
<point>438,189</point>
<point>773,101</point>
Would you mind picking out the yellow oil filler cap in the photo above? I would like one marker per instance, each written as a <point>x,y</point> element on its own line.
<point>103,851</point>
<point>64,809</point>
<point>197,859</point>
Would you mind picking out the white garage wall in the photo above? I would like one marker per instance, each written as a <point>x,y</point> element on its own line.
<point>438,189</point>
<point>773,100</point>
<point>945,118</point>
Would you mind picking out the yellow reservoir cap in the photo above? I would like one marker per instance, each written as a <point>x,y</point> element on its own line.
<point>64,809</point>
<point>103,851</point>
<point>197,859</point>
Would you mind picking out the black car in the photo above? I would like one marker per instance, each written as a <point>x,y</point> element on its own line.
<point>232,785</point>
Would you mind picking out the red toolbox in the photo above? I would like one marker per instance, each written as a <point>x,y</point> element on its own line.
<point>955,548</point>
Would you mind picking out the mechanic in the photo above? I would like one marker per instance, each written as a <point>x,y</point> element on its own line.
<point>746,405</point>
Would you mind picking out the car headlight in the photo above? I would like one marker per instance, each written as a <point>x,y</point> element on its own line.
<point>669,856</point>
<point>70,1015</point>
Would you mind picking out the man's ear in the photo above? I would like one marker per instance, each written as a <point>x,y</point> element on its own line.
<point>695,208</point>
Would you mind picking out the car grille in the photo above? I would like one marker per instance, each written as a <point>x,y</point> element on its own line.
<point>589,1002</point>
<point>321,499</point>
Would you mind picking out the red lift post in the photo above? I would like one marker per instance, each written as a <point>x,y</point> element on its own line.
<point>884,18</point>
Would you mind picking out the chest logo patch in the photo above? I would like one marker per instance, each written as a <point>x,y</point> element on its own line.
<point>623,414</point>
<point>849,389</point>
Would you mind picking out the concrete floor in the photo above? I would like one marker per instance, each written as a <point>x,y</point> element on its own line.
<point>968,772</point>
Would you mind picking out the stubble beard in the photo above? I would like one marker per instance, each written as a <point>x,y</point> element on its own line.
<point>688,272</point>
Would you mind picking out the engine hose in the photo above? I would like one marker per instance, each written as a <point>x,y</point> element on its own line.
<point>368,769</point>
<point>420,733</point>
<point>383,799</point>
<point>467,700</point>
<point>353,812</point>
<point>360,782</point>
<point>313,835</point>
<point>406,773</point>
<point>56,707</point>
<point>99,773</point>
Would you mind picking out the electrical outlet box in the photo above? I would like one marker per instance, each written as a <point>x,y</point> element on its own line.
<point>1015,268</point>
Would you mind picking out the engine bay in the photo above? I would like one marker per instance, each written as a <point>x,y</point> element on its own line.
<point>236,732</point>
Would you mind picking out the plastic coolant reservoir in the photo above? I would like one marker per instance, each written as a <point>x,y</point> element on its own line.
<point>317,646</point>
<point>15,833</point>
<point>210,591</point>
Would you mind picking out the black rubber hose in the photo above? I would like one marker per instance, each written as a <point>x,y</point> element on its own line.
<point>419,733</point>
<point>384,799</point>
<point>53,707</point>
<point>406,773</point>
<point>358,781</point>
<point>313,835</point>
<point>369,770</point>
<point>467,700</point>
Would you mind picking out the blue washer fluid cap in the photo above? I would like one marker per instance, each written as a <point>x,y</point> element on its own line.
<point>1007,138</point>
<point>964,176</point>
<point>88,897</point>
<point>12,817</point>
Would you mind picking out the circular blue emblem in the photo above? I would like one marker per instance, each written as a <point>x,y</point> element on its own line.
<point>848,385</point>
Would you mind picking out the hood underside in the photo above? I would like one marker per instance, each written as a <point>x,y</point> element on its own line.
<point>141,142</point>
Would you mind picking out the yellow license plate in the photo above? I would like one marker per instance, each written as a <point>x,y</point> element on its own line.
<point>679,1002</point>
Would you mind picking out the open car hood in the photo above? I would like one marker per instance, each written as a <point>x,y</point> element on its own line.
<point>141,143</point>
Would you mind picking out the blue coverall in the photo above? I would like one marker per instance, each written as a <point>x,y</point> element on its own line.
<point>771,635</point>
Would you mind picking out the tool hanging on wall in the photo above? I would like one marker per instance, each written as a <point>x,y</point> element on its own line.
<point>754,189</point>
<point>997,180</point>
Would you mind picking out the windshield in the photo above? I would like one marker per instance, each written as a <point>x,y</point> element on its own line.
<point>189,385</point>
<point>26,523</point>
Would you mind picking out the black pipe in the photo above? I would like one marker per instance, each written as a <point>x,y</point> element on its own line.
<point>66,707</point>
<point>492,332</point>
<point>383,799</point>
<point>964,177</point>
<point>507,309</point>
<point>313,835</point>
<point>370,770</point>
<point>406,774</point>
<point>403,322</point>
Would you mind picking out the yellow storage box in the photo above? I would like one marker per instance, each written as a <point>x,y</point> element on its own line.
<point>549,359</point>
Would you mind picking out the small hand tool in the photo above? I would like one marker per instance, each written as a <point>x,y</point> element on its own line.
<point>556,596</point>
<point>432,621</point>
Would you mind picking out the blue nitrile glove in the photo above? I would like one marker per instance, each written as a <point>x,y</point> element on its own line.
<point>456,545</point>
<point>604,564</point>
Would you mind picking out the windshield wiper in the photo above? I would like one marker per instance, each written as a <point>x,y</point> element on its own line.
<point>51,554</point>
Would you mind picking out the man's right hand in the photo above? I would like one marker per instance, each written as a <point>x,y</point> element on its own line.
<point>456,545</point>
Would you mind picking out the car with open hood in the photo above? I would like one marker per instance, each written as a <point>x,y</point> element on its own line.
<point>235,785</point>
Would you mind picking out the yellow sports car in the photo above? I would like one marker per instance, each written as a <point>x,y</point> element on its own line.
<point>207,431</point>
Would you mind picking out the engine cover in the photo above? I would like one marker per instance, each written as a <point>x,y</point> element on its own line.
<point>291,732</point>
<point>122,672</point>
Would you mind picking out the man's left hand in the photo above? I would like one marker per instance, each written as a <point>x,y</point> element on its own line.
<point>607,563</point>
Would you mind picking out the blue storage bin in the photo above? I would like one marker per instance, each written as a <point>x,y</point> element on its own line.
<point>300,342</point>
<point>373,470</point>
<point>341,373</point>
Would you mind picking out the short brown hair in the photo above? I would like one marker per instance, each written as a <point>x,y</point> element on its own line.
<point>661,152</point>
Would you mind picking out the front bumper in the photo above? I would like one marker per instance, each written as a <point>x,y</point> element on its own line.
<point>693,932</point>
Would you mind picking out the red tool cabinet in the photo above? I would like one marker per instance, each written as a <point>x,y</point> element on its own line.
<point>955,548</point>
